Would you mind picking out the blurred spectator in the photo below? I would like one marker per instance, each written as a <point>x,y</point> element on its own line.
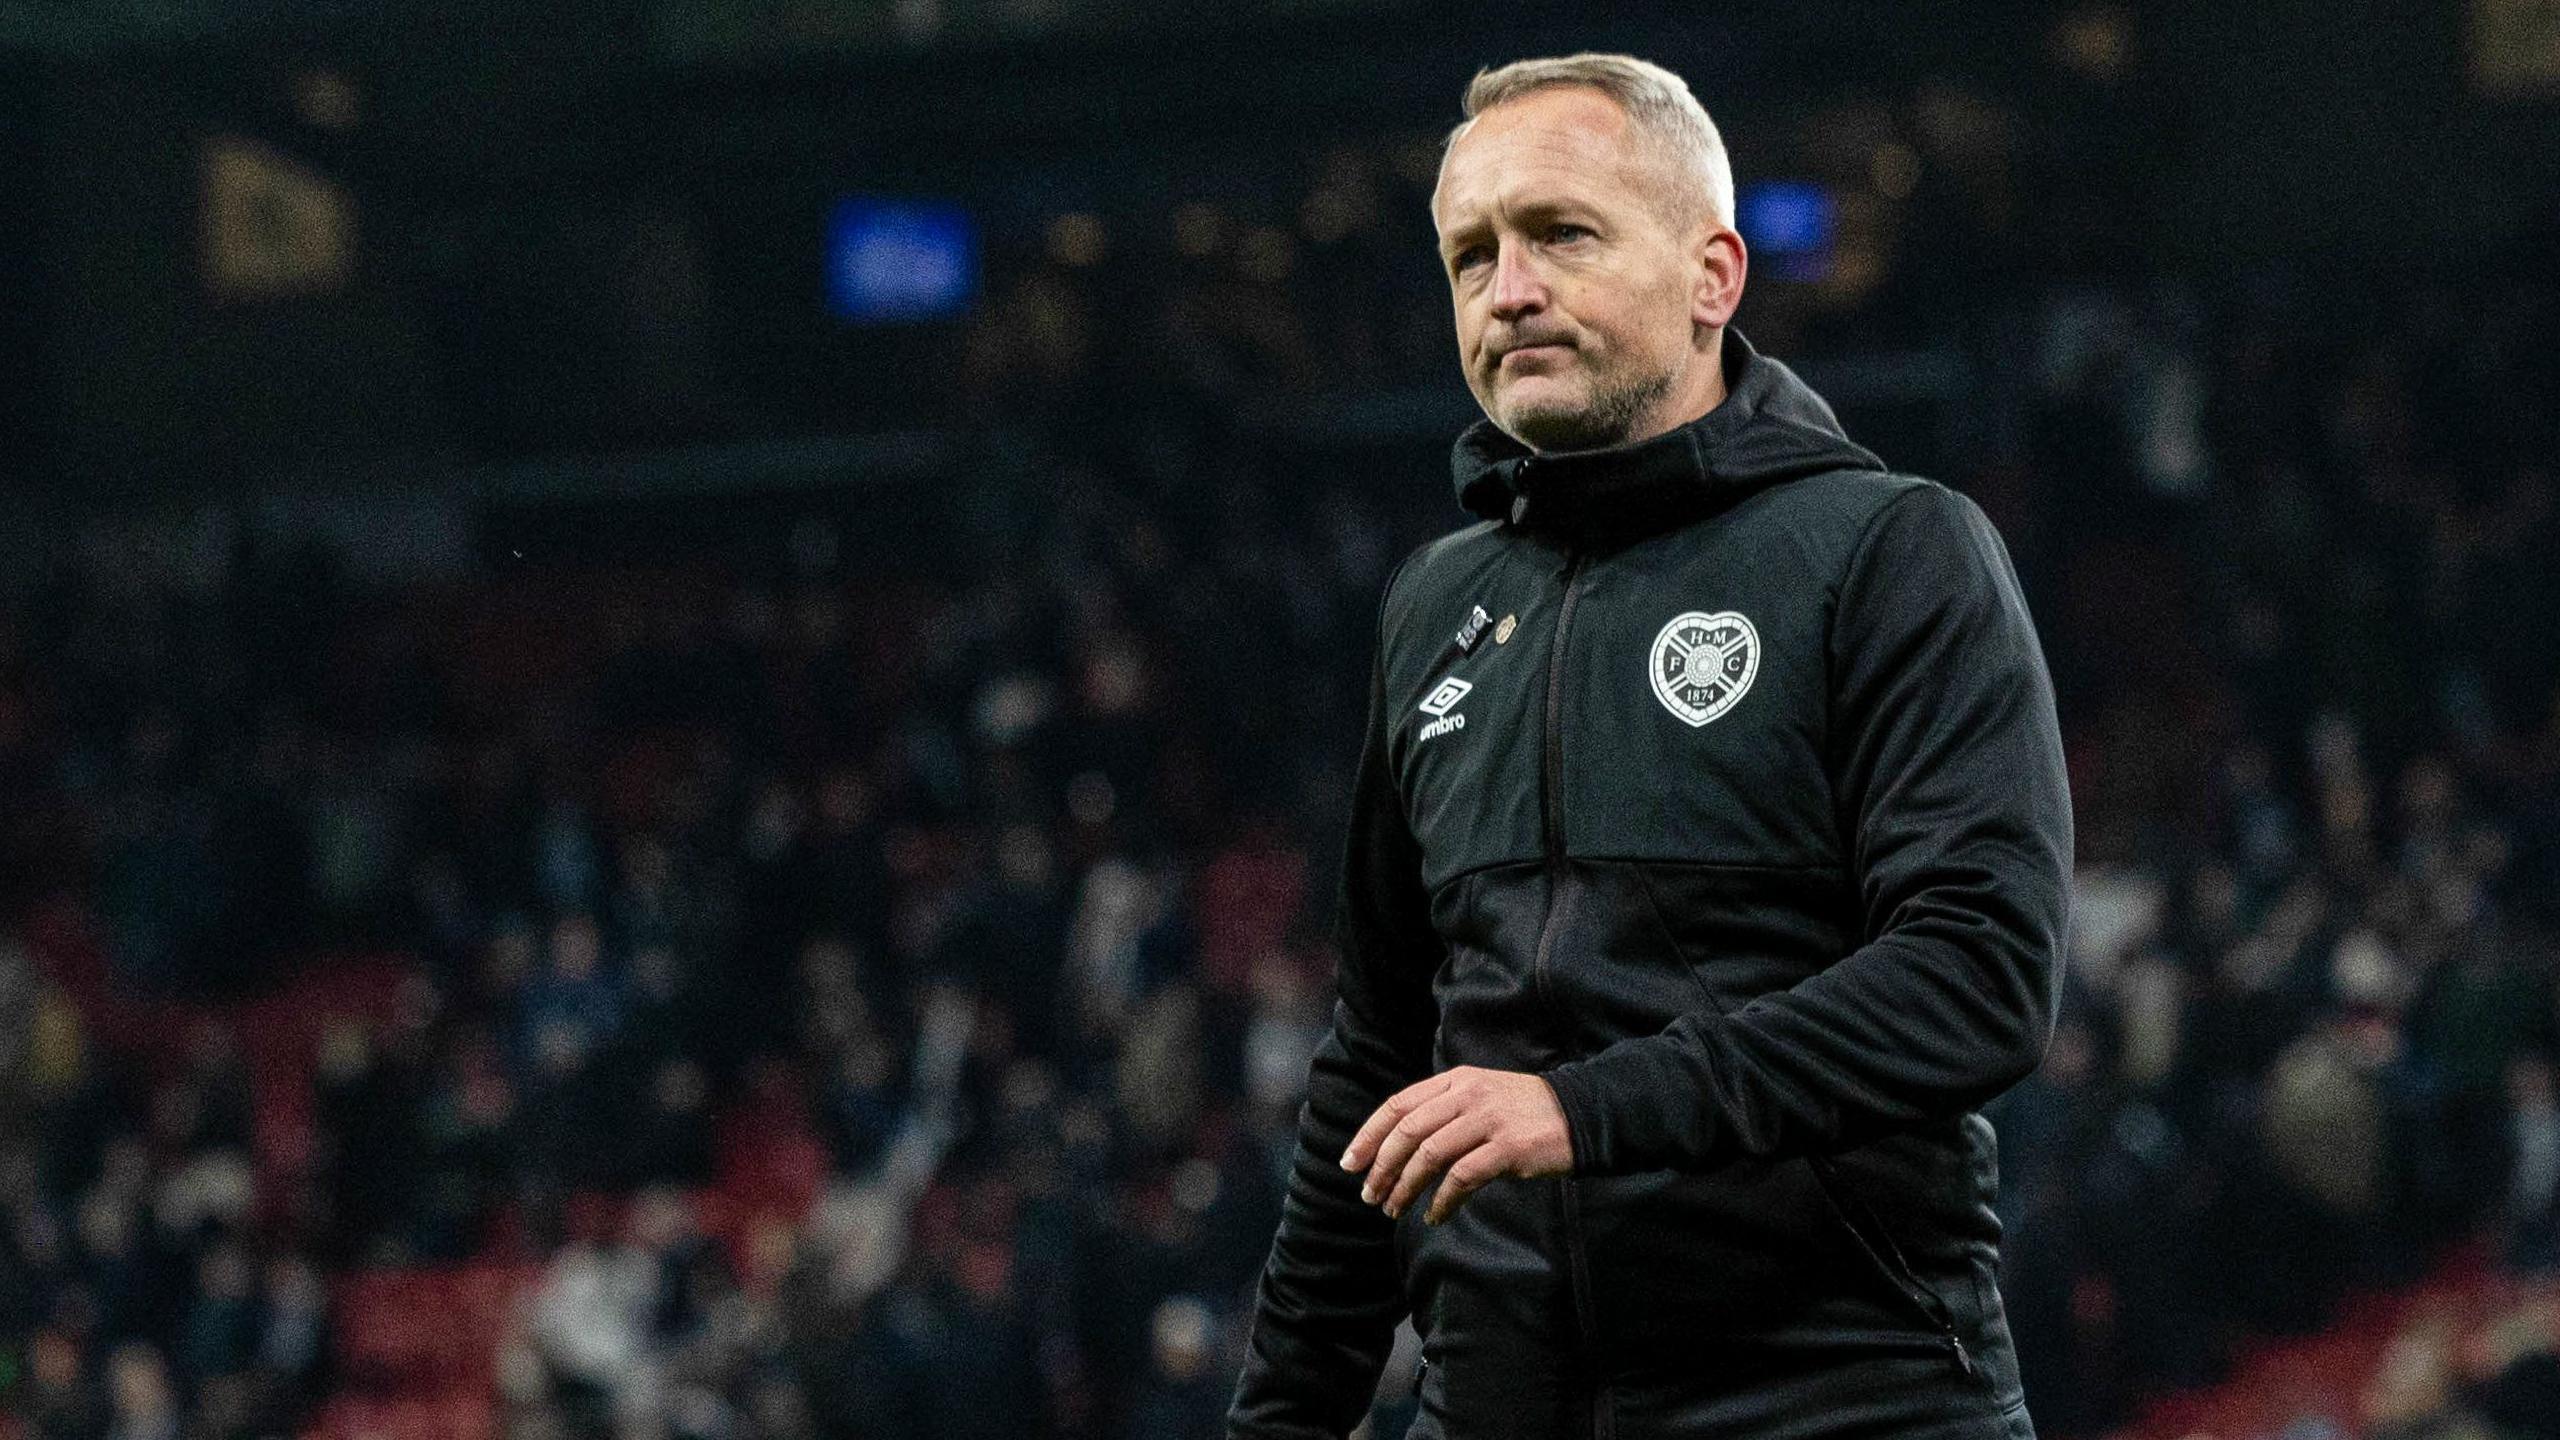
<point>1185,1394</point>
<point>141,1405</point>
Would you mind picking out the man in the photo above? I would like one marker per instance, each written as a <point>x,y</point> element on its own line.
<point>1707,868</point>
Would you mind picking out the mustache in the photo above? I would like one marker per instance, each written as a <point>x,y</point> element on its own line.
<point>1523,342</point>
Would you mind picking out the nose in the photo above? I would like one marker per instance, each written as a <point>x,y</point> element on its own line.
<point>1517,290</point>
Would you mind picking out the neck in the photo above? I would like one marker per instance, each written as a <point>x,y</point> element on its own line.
<point>1702,389</point>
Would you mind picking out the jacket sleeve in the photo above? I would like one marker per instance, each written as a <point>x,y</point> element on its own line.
<point>1330,1295</point>
<point>1947,771</point>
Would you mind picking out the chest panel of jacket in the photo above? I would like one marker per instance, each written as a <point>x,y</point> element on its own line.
<point>1689,692</point>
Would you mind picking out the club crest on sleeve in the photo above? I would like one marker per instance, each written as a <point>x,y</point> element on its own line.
<point>1703,663</point>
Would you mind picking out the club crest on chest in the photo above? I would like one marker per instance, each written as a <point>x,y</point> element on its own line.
<point>1703,663</point>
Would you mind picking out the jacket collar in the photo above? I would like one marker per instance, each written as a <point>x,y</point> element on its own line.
<point>1771,427</point>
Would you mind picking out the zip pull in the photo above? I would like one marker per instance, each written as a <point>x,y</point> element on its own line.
<point>1964,1360</point>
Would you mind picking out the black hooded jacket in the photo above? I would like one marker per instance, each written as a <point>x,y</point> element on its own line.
<point>1715,778</point>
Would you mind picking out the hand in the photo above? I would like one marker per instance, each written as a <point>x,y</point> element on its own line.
<point>1476,1124</point>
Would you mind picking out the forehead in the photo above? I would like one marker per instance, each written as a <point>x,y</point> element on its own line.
<point>1569,142</point>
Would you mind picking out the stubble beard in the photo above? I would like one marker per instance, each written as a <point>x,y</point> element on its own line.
<point>1617,404</point>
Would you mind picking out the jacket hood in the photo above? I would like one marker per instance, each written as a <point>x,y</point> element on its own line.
<point>1772,427</point>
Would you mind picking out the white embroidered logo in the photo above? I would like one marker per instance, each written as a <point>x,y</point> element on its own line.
<point>1702,663</point>
<point>1437,704</point>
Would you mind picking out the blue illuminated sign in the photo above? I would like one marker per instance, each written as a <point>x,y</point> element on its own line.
<point>1789,222</point>
<point>892,260</point>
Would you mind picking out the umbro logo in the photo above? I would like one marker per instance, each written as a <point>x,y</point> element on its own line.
<point>1438,704</point>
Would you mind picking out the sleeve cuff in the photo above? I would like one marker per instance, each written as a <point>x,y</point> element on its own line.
<point>1640,1104</point>
<point>1573,1093</point>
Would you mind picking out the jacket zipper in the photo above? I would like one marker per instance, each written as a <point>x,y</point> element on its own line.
<point>1897,1271</point>
<point>1551,785</point>
<point>1551,766</point>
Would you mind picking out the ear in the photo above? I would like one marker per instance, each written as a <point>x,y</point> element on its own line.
<point>1718,264</point>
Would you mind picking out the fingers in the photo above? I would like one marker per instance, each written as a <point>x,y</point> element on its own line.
<point>1465,1178</point>
<point>1397,1150</point>
<point>1462,1128</point>
<point>1465,1135</point>
<point>1385,1119</point>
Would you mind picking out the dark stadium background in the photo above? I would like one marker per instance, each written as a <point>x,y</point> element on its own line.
<point>595,843</point>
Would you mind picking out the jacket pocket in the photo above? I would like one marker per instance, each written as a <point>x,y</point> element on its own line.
<point>1671,940</point>
<point>1873,1240</point>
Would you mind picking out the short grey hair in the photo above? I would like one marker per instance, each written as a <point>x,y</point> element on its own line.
<point>1658,103</point>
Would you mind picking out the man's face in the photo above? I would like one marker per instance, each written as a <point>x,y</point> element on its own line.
<point>1575,292</point>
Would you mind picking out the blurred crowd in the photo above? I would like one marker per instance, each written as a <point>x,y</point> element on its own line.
<point>1310,284</point>
<point>839,1002</point>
